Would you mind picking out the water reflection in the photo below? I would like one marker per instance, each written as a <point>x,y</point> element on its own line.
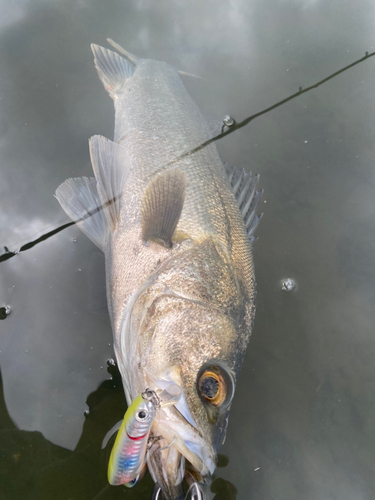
<point>32,467</point>
<point>224,490</point>
<point>304,405</point>
<point>227,127</point>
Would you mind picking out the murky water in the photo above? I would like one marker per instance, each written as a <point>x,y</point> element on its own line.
<point>303,420</point>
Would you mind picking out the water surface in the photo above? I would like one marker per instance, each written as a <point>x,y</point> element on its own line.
<point>303,419</point>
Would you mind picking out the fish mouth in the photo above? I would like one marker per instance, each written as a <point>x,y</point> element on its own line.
<point>178,452</point>
<point>185,436</point>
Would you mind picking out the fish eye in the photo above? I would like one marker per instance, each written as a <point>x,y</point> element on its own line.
<point>215,385</point>
<point>209,386</point>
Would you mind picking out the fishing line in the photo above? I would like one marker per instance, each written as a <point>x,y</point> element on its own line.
<point>228,129</point>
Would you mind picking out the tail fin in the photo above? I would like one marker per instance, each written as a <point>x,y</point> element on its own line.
<point>113,70</point>
<point>124,52</point>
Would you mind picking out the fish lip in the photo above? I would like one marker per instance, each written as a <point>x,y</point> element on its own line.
<point>176,425</point>
<point>178,432</point>
<point>168,484</point>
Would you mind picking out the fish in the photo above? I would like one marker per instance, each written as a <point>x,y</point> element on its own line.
<point>176,226</point>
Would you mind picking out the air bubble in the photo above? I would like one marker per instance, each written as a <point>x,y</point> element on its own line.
<point>228,121</point>
<point>86,413</point>
<point>288,285</point>
<point>111,362</point>
<point>4,312</point>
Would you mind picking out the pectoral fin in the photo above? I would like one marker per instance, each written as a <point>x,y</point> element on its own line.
<point>162,205</point>
<point>111,166</point>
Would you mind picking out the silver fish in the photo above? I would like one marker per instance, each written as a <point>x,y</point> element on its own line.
<point>176,230</point>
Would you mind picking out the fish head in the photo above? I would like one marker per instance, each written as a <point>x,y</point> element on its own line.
<point>193,346</point>
<point>190,327</point>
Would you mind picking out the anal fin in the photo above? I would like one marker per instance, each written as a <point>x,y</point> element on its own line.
<point>162,205</point>
<point>80,200</point>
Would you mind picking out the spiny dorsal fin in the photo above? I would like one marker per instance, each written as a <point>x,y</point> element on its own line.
<point>244,186</point>
<point>113,70</point>
<point>162,205</point>
<point>184,73</point>
<point>111,166</point>
<point>80,200</point>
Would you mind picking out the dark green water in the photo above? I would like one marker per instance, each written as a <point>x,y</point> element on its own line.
<point>302,424</point>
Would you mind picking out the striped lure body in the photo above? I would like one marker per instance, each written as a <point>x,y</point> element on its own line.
<point>128,453</point>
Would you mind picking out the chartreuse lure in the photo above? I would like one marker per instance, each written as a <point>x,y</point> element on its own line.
<point>128,453</point>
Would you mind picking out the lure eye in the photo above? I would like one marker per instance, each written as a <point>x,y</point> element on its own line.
<point>142,415</point>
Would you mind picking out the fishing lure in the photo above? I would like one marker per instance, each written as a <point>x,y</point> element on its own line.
<point>128,453</point>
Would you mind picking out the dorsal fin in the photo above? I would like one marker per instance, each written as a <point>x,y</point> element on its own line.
<point>184,73</point>
<point>113,70</point>
<point>244,186</point>
<point>162,205</point>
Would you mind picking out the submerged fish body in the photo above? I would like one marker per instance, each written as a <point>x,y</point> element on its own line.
<point>179,268</point>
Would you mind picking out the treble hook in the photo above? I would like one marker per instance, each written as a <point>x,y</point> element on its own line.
<point>156,494</point>
<point>168,445</point>
<point>196,492</point>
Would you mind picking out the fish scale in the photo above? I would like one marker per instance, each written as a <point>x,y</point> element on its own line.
<point>209,207</point>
